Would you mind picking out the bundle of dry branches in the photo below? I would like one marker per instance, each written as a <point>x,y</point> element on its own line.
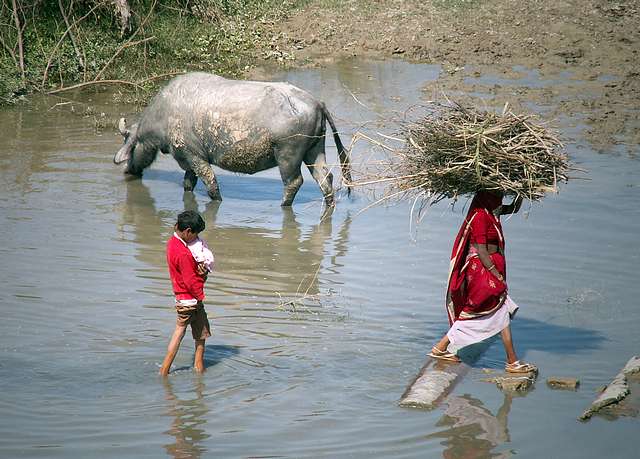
<point>455,151</point>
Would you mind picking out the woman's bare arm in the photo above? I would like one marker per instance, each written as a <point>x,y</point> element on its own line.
<point>486,260</point>
<point>512,208</point>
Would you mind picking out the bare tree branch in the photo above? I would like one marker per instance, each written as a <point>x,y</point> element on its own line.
<point>87,83</point>
<point>137,84</point>
<point>127,43</point>
<point>10,51</point>
<point>55,49</point>
<point>71,35</point>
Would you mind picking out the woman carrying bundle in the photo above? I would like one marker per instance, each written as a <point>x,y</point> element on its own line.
<point>477,301</point>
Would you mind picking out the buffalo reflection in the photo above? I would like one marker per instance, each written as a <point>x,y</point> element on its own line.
<point>257,261</point>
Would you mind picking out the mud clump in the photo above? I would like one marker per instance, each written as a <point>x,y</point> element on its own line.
<point>563,383</point>
<point>248,156</point>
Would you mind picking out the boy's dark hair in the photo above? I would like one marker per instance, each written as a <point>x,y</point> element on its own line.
<point>190,219</point>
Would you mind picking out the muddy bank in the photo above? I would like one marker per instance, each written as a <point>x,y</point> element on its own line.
<point>586,51</point>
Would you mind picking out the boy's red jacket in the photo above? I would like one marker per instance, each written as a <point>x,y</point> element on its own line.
<point>187,283</point>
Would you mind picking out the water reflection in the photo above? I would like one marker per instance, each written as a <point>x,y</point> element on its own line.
<point>473,431</point>
<point>259,258</point>
<point>34,146</point>
<point>144,225</point>
<point>188,425</point>
<point>283,259</point>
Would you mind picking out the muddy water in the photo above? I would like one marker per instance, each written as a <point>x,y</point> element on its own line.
<point>318,325</point>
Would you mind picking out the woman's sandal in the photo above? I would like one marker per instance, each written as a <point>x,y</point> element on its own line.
<point>443,355</point>
<point>520,367</point>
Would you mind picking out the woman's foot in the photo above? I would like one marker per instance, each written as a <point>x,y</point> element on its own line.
<point>520,367</point>
<point>443,355</point>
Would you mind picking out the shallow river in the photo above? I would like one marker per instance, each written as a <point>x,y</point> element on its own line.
<point>318,325</point>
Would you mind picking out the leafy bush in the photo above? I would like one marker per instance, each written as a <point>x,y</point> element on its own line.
<point>166,36</point>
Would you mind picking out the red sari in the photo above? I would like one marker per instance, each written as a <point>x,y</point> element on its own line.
<point>473,291</point>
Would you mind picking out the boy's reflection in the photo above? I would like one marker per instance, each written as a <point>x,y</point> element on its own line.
<point>473,430</point>
<point>188,421</point>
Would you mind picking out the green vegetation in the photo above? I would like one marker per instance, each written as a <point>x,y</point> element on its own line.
<point>46,45</point>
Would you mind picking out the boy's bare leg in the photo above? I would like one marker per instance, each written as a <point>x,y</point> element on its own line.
<point>199,357</point>
<point>172,349</point>
<point>508,344</point>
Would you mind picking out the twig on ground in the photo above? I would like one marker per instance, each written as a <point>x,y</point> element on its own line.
<point>88,83</point>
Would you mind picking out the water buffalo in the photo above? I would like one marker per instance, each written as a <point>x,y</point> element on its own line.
<point>241,126</point>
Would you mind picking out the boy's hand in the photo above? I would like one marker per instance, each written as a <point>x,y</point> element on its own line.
<point>202,270</point>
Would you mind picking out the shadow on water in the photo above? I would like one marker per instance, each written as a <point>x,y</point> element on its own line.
<point>213,355</point>
<point>535,335</point>
<point>216,353</point>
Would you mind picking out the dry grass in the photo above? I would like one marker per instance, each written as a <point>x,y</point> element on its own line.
<point>454,150</point>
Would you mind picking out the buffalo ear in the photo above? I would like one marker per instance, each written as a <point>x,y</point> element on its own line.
<point>122,127</point>
<point>124,153</point>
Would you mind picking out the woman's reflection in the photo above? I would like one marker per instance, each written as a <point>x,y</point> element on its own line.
<point>473,431</point>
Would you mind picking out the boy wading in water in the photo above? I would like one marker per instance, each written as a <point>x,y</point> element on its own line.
<point>187,277</point>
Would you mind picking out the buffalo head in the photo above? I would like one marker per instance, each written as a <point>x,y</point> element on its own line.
<point>128,150</point>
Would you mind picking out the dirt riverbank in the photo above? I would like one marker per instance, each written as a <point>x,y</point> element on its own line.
<point>586,52</point>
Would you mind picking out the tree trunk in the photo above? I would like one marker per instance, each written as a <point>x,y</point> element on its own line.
<point>123,11</point>
<point>16,19</point>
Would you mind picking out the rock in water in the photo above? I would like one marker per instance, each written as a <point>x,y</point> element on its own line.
<point>632,366</point>
<point>563,383</point>
<point>616,391</point>
<point>435,380</point>
<point>512,382</point>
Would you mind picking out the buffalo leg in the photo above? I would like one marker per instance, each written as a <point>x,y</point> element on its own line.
<point>289,162</point>
<point>317,164</point>
<point>203,171</point>
<point>190,177</point>
<point>291,186</point>
<point>190,180</point>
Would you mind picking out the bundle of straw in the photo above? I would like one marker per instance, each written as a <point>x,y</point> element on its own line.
<point>455,151</point>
